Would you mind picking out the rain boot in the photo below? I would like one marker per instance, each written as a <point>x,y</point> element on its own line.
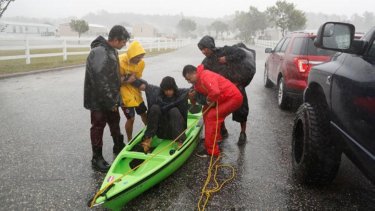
<point>118,144</point>
<point>98,163</point>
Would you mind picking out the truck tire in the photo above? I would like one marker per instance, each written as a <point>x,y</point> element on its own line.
<point>315,158</point>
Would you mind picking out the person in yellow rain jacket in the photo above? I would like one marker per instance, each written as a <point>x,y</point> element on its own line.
<point>131,68</point>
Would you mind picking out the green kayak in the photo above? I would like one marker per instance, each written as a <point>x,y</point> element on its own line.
<point>133,172</point>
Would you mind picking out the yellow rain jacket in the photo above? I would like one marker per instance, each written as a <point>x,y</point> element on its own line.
<point>131,96</point>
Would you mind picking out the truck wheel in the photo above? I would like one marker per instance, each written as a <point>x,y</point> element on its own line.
<point>267,82</point>
<point>283,99</point>
<point>316,159</point>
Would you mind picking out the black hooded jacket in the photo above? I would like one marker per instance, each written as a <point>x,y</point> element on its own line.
<point>240,67</point>
<point>155,95</point>
<point>102,79</point>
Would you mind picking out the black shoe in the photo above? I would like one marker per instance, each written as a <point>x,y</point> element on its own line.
<point>99,164</point>
<point>202,153</point>
<point>242,139</point>
<point>224,133</point>
<point>118,144</point>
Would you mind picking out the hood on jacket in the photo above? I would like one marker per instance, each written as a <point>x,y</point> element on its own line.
<point>99,41</point>
<point>135,49</point>
<point>207,42</point>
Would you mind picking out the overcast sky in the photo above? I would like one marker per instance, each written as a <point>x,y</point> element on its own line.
<point>200,8</point>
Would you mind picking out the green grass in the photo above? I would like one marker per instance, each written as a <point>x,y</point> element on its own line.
<point>19,65</point>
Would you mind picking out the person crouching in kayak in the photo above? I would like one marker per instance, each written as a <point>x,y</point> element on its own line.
<point>223,97</point>
<point>167,114</point>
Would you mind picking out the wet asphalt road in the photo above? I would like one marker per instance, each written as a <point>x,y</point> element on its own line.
<point>45,151</point>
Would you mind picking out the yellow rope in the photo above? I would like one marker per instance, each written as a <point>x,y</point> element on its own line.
<point>144,162</point>
<point>208,192</point>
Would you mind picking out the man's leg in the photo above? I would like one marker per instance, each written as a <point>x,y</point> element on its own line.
<point>129,128</point>
<point>98,122</point>
<point>130,116</point>
<point>240,115</point>
<point>211,132</point>
<point>113,118</point>
<point>224,131</point>
<point>177,124</point>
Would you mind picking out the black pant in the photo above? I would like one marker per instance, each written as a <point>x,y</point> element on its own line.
<point>240,115</point>
<point>98,121</point>
<point>168,125</point>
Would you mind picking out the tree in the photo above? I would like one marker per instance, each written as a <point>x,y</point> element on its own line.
<point>285,16</point>
<point>186,26</point>
<point>219,27</point>
<point>4,5</point>
<point>248,23</point>
<point>80,26</point>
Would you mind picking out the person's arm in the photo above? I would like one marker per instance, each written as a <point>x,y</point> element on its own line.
<point>181,98</point>
<point>140,84</point>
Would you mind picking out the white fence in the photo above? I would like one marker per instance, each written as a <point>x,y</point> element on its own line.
<point>38,43</point>
<point>266,43</point>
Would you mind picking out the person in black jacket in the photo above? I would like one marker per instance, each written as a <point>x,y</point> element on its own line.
<point>102,92</point>
<point>236,63</point>
<point>167,114</point>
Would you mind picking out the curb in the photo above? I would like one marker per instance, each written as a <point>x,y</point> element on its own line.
<point>12,75</point>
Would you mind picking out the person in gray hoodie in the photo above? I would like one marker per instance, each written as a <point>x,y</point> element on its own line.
<point>102,93</point>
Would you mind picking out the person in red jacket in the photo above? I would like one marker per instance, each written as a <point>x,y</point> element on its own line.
<point>224,98</point>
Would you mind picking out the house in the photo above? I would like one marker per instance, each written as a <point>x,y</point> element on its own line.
<point>144,30</point>
<point>21,28</point>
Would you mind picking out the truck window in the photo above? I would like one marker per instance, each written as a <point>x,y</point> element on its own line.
<point>312,50</point>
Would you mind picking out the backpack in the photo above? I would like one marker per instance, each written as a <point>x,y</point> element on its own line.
<point>246,69</point>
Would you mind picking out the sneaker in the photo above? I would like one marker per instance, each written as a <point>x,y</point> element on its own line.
<point>242,139</point>
<point>202,153</point>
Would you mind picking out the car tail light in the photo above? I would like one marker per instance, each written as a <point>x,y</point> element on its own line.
<point>305,65</point>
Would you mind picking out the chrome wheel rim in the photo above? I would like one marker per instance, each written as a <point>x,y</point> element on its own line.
<point>281,90</point>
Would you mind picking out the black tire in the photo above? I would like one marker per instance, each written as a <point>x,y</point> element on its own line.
<point>316,159</point>
<point>283,100</point>
<point>267,82</point>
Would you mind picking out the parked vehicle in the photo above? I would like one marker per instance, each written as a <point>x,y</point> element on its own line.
<point>289,64</point>
<point>338,111</point>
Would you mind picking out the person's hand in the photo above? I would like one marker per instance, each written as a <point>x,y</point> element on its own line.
<point>222,60</point>
<point>142,87</point>
<point>123,79</point>
<point>191,94</point>
<point>131,78</point>
<point>209,103</point>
